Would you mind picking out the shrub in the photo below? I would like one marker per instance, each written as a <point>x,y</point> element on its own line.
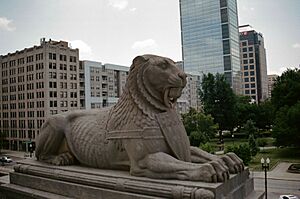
<point>242,150</point>
<point>262,142</point>
<point>208,147</point>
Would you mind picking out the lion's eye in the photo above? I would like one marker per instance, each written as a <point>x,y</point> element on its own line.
<point>164,66</point>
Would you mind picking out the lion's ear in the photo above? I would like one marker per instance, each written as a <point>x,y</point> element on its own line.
<point>139,60</point>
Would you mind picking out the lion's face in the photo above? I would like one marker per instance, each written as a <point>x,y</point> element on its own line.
<point>163,79</point>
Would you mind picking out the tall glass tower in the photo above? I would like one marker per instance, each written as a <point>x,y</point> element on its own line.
<point>210,39</point>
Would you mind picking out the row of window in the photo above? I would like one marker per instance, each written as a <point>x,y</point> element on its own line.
<point>52,56</point>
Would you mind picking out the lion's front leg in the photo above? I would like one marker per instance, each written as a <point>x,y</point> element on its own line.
<point>162,165</point>
<point>230,161</point>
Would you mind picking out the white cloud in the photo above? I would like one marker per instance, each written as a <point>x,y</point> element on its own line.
<point>132,9</point>
<point>85,51</point>
<point>296,45</point>
<point>118,4</point>
<point>6,24</point>
<point>148,44</point>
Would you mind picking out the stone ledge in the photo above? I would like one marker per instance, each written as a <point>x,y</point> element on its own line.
<point>76,181</point>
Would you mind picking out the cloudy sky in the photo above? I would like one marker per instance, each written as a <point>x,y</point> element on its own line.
<point>115,31</point>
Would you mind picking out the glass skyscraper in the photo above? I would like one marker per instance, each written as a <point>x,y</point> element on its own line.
<point>210,39</point>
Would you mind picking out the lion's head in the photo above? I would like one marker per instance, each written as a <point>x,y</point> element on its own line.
<point>155,81</point>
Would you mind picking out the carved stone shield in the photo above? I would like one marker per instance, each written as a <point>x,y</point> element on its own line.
<point>175,134</point>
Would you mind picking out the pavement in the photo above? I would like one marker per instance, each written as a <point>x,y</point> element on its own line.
<point>279,173</point>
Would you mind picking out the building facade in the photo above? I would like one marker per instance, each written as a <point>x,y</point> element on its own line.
<point>271,80</point>
<point>102,84</point>
<point>36,82</point>
<point>210,39</point>
<point>253,64</point>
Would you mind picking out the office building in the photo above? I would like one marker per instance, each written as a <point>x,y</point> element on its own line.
<point>36,82</point>
<point>101,85</point>
<point>271,80</point>
<point>253,64</point>
<point>210,39</point>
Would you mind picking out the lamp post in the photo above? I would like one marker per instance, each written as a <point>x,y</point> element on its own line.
<point>265,164</point>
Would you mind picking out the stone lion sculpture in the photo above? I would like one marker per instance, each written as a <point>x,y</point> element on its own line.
<point>142,133</point>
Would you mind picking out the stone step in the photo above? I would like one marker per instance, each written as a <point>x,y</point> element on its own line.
<point>13,191</point>
<point>256,195</point>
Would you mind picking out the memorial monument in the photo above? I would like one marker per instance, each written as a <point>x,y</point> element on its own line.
<point>87,154</point>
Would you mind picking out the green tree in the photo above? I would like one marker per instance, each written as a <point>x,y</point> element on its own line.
<point>219,100</point>
<point>199,127</point>
<point>254,149</point>
<point>242,150</point>
<point>249,128</point>
<point>286,102</point>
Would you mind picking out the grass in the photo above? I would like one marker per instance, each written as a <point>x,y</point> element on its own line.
<point>276,155</point>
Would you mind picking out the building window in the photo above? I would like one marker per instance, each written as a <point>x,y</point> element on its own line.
<point>252,79</point>
<point>247,79</point>
<point>226,47</point>
<point>52,56</point>
<point>252,85</point>
<point>251,67</point>
<point>246,73</point>
<point>246,67</point>
<point>250,54</point>
<point>247,92</point>
<point>253,91</point>
<point>246,85</point>
<point>250,48</point>
<point>223,3</point>
<point>251,73</point>
<point>251,61</point>
<point>224,15</point>
<point>245,61</point>
<point>227,63</point>
<point>244,43</point>
<point>245,55</point>
<point>244,49</point>
<point>225,31</point>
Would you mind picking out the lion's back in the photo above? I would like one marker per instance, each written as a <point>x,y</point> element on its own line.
<point>86,134</point>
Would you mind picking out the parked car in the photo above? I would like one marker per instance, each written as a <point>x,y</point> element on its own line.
<point>288,197</point>
<point>5,159</point>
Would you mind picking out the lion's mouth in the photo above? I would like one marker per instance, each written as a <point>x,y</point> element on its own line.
<point>170,96</point>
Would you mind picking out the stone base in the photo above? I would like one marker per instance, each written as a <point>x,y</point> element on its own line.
<point>33,179</point>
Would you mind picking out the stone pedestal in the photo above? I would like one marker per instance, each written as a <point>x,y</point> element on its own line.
<point>32,179</point>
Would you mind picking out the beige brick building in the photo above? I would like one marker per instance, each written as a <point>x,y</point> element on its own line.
<point>253,64</point>
<point>36,82</point>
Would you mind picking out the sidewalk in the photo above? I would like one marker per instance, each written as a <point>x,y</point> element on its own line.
<point>18,154</point>
<point>278,173</point>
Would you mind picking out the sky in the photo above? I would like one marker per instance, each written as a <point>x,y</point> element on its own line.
<point>116,31</point>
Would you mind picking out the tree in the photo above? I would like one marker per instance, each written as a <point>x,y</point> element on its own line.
<point>249,128</point>
<point>254,149</point>
<point>286,91</point>
<point>242,150</point>
<point>286,102</point>
<point>219,100</point>
<point>199,127</point>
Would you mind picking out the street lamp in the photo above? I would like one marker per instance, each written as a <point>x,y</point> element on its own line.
<point>265,164</point>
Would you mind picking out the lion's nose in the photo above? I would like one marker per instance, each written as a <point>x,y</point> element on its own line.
<point>182,76</point>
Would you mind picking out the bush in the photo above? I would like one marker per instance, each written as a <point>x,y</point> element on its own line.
<point>208,147</point>
<point>262,142</point>
<point>242,150</point>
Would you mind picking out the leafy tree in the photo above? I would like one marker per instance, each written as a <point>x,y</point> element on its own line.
<point>254,149</point>
<point>219,100</point>
<point>199,127</point>
<point>242,150</point>
<point>249,128</point>
<point>286,91</point>
<point>286,130</point>
<point>286,102</point>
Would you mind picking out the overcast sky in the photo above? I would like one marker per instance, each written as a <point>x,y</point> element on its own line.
<point>115,31</point>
